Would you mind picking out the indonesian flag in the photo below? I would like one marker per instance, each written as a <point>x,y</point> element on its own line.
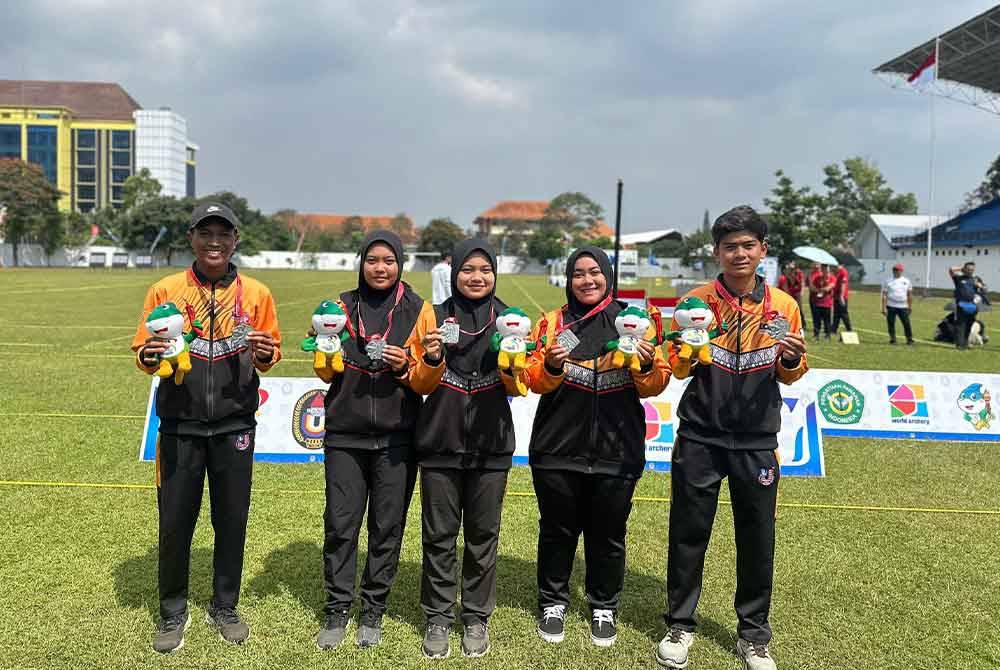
<point>926,73</point>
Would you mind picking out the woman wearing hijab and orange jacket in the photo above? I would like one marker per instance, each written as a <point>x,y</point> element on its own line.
<point>392,357</point>
<point>588,445</point>
<point>464,446</point>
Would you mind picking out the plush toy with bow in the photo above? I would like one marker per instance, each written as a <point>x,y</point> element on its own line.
<point>696,318</point>
<point>631,324</point>
<point>166,322</point>
<point>328,323</point>
<point>512,344</point>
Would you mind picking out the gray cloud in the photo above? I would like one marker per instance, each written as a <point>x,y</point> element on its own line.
<point>443,108</point>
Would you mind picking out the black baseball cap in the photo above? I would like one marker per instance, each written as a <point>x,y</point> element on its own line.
<point>213,210</point>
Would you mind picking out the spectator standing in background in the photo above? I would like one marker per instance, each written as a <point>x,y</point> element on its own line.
<point>840,293</point>
<point>822,285</point>
<point>792,282</point>
<point>897,301</point>
<point>441,280</point>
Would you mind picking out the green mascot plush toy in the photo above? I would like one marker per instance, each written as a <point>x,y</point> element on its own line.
<point>328,323</point>
<point>512,344</point>
<point>695,318</point>
<point>631,324</point>
<point>166,322</point>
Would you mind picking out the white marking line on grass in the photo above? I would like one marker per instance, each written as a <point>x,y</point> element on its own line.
<point>128,356</point>
<point>65,289</point>
<point>65,415</point>
<point>26,344</point>
<point>915,339</point>
<point>116,338</point>
<point>49,326</point>
<point>527,494</point>
<point>526,294</point>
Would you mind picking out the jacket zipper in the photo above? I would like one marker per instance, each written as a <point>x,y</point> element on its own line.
<point>371,405</point>
<point>210,397</point>
<point>739,346</point>
<point>593,423</point>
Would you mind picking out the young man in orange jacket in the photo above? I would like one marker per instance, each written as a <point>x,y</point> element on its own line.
<point>207,420</point>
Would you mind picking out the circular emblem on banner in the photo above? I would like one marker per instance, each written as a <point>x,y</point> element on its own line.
<point>308,419</point>
<point>841,403</point>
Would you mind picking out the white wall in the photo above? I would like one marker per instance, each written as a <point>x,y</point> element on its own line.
<point>987,265</point>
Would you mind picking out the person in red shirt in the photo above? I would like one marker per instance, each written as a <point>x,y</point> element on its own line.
<point>792,282</point>
<point>840,300</point>
<point>822,286</point>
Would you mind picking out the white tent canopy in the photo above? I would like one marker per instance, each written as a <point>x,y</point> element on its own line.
<point>652,236</point>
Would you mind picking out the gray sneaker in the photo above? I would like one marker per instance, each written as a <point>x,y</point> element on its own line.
<point>170,633</point>
<point>334,630</point>
<point>672,652</point>
<point>755,655</point>
<point>435,644</point>
<point>476,640</point>
<point>231,628</point>
<point>369,629</point>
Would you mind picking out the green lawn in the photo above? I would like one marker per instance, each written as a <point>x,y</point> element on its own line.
<point>857,589</point>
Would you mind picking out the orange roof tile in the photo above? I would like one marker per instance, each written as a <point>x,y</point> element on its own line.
<point>87,100</point>
<point>517,210</point>
<point>331,222</point>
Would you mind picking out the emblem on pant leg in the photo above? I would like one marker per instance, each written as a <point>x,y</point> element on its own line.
<point>243,442</point>
<point>766,476</point>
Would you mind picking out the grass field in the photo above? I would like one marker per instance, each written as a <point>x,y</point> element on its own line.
<point>854,588</point>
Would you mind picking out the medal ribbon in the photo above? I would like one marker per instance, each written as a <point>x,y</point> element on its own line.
<point>560,326</point>
<point>361,322</point>
<point>482,330</point>
<point>769,314</point>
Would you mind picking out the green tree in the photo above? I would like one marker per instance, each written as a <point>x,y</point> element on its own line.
<point>141,225</point>
<point>139,188</point>
<point>697,246</point>
<point>987,191</point>
<point>440,235</point>
<point>50,232</point>
<point>257,231</point>
<point>548,242</point>
<point>854,192</point>
<point>573,210</point>
<point>602,242</point>
<point>402,226</point>
<point>793,214</point>
<point>30,201</point>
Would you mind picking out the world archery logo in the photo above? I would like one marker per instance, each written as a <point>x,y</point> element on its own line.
<point>309,419</point>
<point>841,403</point>
<point>659,426</point>
<point>908,404</point>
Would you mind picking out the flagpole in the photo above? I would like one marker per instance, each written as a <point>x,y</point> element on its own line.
<point>930,198</point>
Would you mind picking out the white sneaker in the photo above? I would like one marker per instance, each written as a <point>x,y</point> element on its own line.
<point>672,652</point>
<point>755,655</point>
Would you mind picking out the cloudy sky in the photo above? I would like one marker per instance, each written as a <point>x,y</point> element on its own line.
<point>444,108</point>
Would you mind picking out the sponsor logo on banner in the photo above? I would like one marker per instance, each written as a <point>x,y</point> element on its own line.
<point>908,404</point>
<point>309,419</point>
<point>841,403</point>
<point>659,430</point>
<point>975,403</point>
<point>262,397</point>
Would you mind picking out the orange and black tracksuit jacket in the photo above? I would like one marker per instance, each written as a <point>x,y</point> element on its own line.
<point>589,418</point>
<point>369,406</point>
<point>219,395</point>
<point>735,403</point>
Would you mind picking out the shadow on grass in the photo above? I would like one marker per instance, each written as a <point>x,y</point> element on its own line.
<point>136,580</point>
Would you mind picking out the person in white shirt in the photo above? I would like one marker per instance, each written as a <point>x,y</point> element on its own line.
<point>441,280</point>
<point>897,300</point>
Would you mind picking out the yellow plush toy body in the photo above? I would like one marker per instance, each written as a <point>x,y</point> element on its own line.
<point>512,344</point>
<point>328,322</point>
<point>631,324</point>
<point>695,318</point>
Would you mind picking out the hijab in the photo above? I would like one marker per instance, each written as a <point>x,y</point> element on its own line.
<point>375,304</point>
<point>594,333</point>
<point>471,353</point>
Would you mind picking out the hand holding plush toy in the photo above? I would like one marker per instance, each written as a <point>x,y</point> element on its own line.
<point>166,322</point>
<point>631,324</point>
<point>511,343</point>
<point>695,318</point>
<point>328,323</point>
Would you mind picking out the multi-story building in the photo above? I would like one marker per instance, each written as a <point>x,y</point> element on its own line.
<point>90,137</point>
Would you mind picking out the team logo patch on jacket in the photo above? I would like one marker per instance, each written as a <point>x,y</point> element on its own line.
<point>243,442</point>
<point>766,476</point>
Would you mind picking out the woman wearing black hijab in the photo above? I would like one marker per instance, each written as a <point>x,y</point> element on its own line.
<point>392,358</point>
<point>464,445</point>
<point>587,448</point>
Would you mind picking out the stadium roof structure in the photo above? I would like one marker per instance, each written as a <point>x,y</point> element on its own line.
<point>652,236</point>
<point>968,63</point>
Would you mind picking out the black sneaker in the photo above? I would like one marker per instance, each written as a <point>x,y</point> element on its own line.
<point>476,640</point>
<point>435,644</point>
<point>369,629</point>
<point>231,628</point>
<point>334,630</point>
<point>552,624</point>
<point>170,633</point>
<point>603,631</point>
<point>892,341</point>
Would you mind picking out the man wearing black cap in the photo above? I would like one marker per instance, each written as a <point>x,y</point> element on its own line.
<point>206,422</point>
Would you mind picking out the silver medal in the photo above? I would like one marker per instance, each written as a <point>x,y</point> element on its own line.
<point>777,327</point>
<point>449,332</point>
<point>568,339</point>
<point>239,336</point>
<point>374,349</point>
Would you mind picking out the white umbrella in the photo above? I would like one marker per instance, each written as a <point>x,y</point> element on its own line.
<point>816,255</point>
